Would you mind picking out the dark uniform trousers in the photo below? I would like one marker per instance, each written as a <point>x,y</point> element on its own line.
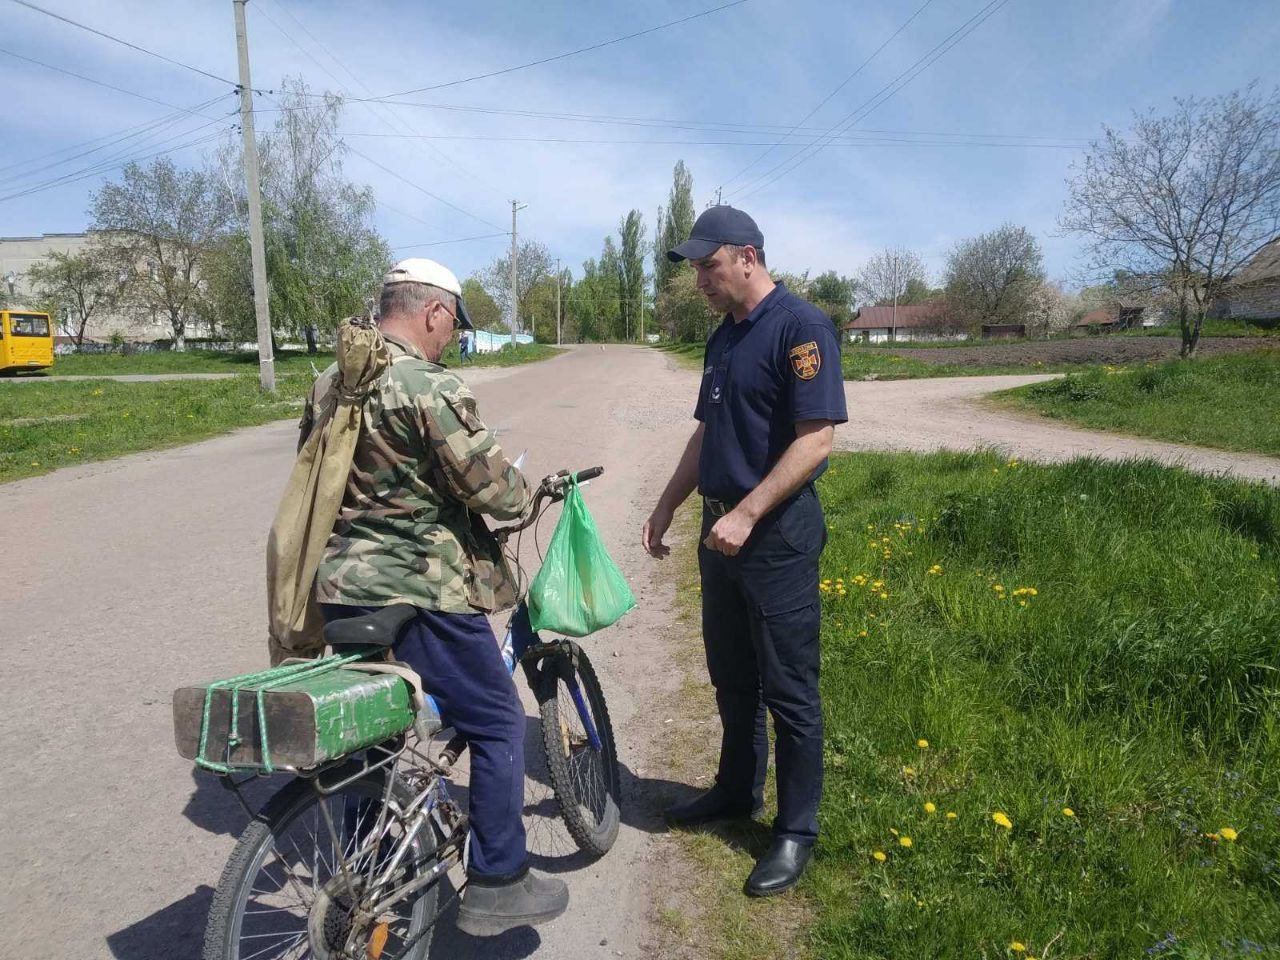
<point>761,618</point>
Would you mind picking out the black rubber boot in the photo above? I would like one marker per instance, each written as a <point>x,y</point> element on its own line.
<point>494,905</point>
<point>708,808</point>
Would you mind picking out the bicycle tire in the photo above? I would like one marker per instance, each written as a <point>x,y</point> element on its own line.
<point>591,821</point>
<point>226,912</point>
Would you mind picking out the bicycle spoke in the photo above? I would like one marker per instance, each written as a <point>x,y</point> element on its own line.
<point>299,938</point>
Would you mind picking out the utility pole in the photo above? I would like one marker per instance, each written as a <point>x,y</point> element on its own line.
<point>257,250</point>
<point>893,332</point>
<point>557,302</point>
<point>515,302</point>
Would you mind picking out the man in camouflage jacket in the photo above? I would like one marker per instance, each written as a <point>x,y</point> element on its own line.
<point>410,531</point>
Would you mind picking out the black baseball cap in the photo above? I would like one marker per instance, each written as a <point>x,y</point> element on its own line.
<point>716,227</point>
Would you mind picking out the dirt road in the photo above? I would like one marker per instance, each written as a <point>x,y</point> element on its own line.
<point>922,415</point>
<point>129,578</point>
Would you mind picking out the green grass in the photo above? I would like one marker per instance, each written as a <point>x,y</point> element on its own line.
<point>861,362</point>
<point>688,355</point>
<point>44,426</point>
<point>1227,401</point>
<point>289,361</point>
<point>1137,686</point>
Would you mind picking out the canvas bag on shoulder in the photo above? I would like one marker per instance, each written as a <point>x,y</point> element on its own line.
<point>313,495</point>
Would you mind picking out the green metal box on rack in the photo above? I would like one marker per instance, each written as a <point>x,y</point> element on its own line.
<point>296,716</point>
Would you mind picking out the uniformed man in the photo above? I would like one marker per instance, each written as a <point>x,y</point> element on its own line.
<point>771,395</point>
<point>409,532</point>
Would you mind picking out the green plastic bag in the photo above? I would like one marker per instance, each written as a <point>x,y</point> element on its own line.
<point>579,589</point>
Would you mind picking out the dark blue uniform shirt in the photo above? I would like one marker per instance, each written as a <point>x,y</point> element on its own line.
<point>779,366</point>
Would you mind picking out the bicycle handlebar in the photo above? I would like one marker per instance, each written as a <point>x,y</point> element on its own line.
<point>551,488</point>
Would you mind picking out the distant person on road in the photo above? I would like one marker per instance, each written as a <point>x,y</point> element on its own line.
<point>409,531</point>
<point>771,395</point>
<point>464,345</point>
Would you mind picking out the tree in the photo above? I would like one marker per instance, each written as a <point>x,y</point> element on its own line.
<point>533,262</point>
<point>82,284</point>
<point>683,311</point>
<point>991,278</point>
<point>323,256</point>
<point>835,295</point>
<point>674,222</point>
<point>484,310</point>
<point>631,251</point>
<point>159,223</point>
<point>890,274</point>
<point>1051,310</point>
<point>1185,200</point>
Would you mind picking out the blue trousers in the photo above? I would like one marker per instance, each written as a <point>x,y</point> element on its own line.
<point>461,666</point>
<point>761,618</point>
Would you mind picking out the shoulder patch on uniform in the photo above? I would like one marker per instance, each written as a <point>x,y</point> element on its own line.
<point>806,360</point>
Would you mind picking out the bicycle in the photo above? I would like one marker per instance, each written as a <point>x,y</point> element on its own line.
<point>345,861</point>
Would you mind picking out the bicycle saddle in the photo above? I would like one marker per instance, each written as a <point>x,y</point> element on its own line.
<point>378,629</point>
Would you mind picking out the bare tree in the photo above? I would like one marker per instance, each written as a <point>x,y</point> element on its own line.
<point>1185,200</point>
<point>159,223</point>
<point>991,278</point>
<point>885,278</point>
<point>84,284</point>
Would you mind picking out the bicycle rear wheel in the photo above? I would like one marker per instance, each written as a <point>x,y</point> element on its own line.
<point>583,774</point>
<point>285,894</point>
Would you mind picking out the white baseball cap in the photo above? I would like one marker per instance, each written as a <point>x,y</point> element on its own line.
<point>433,274</point>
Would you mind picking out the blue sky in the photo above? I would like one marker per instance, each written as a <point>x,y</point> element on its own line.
<point>1034,69</point>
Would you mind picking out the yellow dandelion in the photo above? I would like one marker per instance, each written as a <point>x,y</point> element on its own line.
<point>922,743</point>
<point>876,585</point>
<point>1002,820</point>
<point>883,595</point>
<point>879,856</point>
<point>908,771</point>
<point>862,633</point>
<point>998,588</point>
<point>930,808</point>
<point>1022,603</point>
<point>1068,812</point>
<point>1228,834</point>
<point>904,841</point>
<point>1018,947</point>
<point>951,814</point>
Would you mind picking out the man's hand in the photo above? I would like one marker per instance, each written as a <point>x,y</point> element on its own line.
<point>730,532</point>
<point>654,528</point>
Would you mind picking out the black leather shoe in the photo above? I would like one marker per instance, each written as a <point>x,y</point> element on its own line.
<point>708,808</point>
<point>779,869</point>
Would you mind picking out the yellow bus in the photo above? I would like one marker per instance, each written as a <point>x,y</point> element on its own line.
<point>26,341</point>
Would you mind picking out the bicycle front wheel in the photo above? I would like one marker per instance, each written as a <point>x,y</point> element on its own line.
<point>293,884</point>
<point>583,769</point>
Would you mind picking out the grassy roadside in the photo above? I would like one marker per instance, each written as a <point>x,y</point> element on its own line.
<point>1053,721</point>
<point>1053,712</point>
<point>862,363</point>
<point>246,362</point>
<point>45,426</point>
<point>1227,401</point>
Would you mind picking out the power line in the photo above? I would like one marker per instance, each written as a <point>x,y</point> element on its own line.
<point>437,243</point>
<point>126,43</point>
<point>850,140</point>
<point>117,163</point>
<point>100,83</point>
<point>845,82</point>
<point>433,196</point>
<point>879,97</point>
<point>119,135</point>
<point>375,109</point>
<point>566,55</point>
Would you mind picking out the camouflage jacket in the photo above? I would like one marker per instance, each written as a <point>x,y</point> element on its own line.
<point>425,466</point>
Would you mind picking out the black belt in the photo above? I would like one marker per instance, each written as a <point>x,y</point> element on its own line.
<point>720,507</point>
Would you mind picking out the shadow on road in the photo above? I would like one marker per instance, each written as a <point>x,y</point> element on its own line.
<point>174,933</point>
